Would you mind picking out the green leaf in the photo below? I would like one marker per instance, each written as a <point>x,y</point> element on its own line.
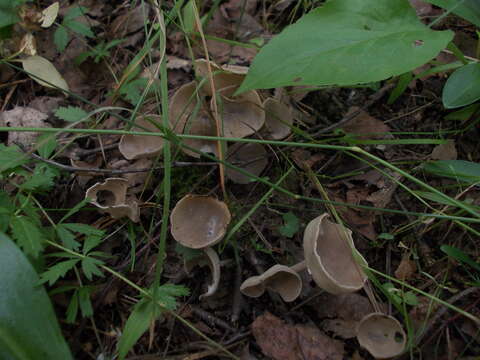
<point>167,294</point>
<point>27,234</point>
<point>410,298</point>
<point>75,209</point>
<point>60,38</point>
<point>67,237</point>
<point>346,42</point>
<point>11,157</point>
<point>460,256</point>
<point>138,322</point>
<point>460,170</point>
<point>57,271</point>
<point>462,87</point>
<point>90,267</point>
<point>8,12</point>
<point>290,226</point>
<point>46,145</point>
<point>132,91</point>
<point>403,82</point>
<point>464,113</point>
<point>79,28</point>
<point>75,12</point>
<point>28,326</point>
<point>41,179</point>
<point>72,309</point>
<point>71,113</point>
<point>468,9</point>
<point>84,299</point>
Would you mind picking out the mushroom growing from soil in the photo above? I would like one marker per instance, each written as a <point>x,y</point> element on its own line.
<point>382,335</point>
<point>111,197</point>
<point>199,222</point>
<point>191,108</point>
<point>142,146</point>
<point>330,257</point>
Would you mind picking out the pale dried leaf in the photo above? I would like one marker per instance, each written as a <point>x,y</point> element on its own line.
<point>50,14</point>
<point>278,119</point>
<point>365,126</point>
<point>41,70</point>
<point>28,45</point>
<point>23,117</point>
<point>406,269</point>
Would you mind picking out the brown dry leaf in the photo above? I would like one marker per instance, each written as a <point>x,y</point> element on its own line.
<point>46,104</point>
<point>387,187</point>
<point>406,269</point>
<point>315,345</point>
<point>421,7</point>
<point>282,341</point>
<point>131,21</point>
<point>365,126</point>
<point>249,157</point>
<point>23,117</point>
<point>346,307</point>
<point>84,177</point>
<point>446,151</point>
<point>137,181</point>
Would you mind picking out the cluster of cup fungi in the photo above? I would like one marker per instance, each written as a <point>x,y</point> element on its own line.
<point>199,222</point>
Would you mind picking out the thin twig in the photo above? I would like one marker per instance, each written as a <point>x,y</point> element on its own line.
<point>372,100</point>
<point>117,171</point>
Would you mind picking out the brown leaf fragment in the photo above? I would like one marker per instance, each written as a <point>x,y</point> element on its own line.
<point>445,151</point>
<point>277,339</point>
<point>421,7</point>
<point>347,307</point>
<point>315,345</point>
<point>282,341</point>
<point>365,126</point>
<point>346,329</point>
<point>406,269</point>
<point>23,117</point>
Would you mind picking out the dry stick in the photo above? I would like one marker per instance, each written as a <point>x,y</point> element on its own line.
<point>117,171</point>
<point>214,100</point>
<point>237,301</point>
<point>212,319</point>
<point>372,100</point>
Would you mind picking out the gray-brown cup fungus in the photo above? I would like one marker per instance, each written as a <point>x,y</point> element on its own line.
<point>199,222</point>
<point>382,335</point>
<point>330,257</point>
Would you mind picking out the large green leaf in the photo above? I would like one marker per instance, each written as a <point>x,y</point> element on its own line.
<point>8,12</point>
<point>462,87</point>
<point>468,9</point>
<point>460,170</point>
<point>346,42</point>
<point>28,326</point>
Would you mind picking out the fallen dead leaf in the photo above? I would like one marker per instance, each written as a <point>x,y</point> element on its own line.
<point>365,126</point>
<point>406,269</point>
<point>23,117</point>
<point>282,341</point>
<point>421,7</point>
<point>445,151</point>
<point>346,329</point>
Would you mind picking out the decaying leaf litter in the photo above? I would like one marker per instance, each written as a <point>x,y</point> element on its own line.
<point>329,311</point>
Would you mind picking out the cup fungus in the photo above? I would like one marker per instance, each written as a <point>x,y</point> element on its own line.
<point>381,335</point>
<point>279,278</point>
<point>111,197</point>
<point>278,119</point>
<point>330,258</point>
<point>251,157</point>
<point>208,258</point>
<point>140,146</point>
<point>199,221</point>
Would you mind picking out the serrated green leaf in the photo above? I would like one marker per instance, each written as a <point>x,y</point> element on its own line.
<point>138,322</point>
<point>79,28</point>
<point>25,203</point>
<point>468,9</point>
<point>75,12</point>
<point>132,91</point>
<point>67,237</point>
<point>41,179</point>
<point>460,170</point>
<point>57,271</point>
<point>84,299</point>
<point>28,325</point>
<point>27,234</point>
<point>346,42</point>
<point>90,267</point>
<point>74,210</point>
<point>11,157</point>
<point>290,226</point>
<point>72,309</point>
<point>47,144</point>
<point>71,113</point>
<point>462,87</point>
<point>61,38</point>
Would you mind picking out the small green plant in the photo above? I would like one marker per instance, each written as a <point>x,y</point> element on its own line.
<point>71,22</point>
<point>399,296</point>
<point>98,52</point>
